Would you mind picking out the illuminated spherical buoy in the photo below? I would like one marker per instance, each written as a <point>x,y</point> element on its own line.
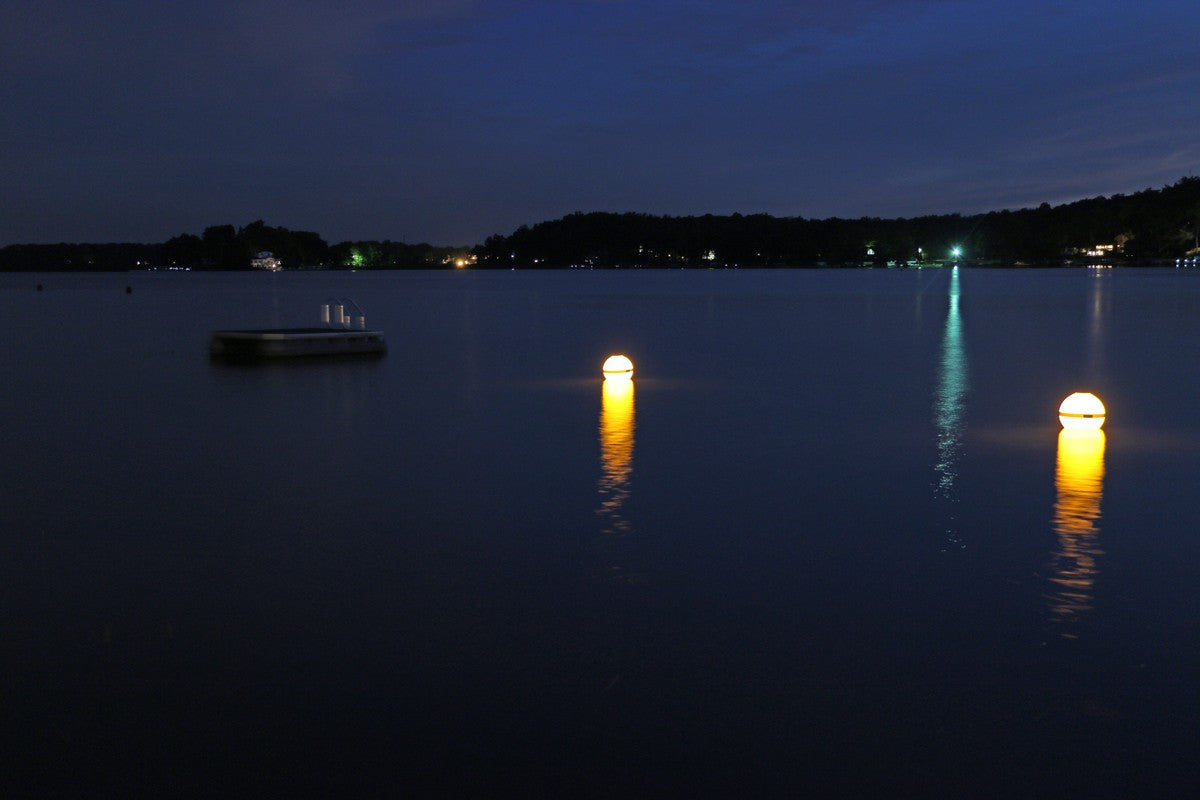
<point>618,367</point>
<point>1081,411</point>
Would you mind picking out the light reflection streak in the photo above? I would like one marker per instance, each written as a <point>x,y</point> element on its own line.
<point>616,453</point>
<point>1079,480</point>
<point>1099,310</point>
<point>949,404</point>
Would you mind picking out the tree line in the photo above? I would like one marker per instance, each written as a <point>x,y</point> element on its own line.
<point>224,247</point>
<point>1151,226</point>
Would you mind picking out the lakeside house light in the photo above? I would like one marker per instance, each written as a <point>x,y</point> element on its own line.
<point>618,367</point>
<point>1081,411</point>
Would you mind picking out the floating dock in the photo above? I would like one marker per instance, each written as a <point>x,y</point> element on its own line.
<point>274,343</point>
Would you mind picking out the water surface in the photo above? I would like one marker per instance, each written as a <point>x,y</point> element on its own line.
<point>829,539</point>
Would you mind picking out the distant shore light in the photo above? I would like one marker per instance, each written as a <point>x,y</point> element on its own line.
<point>1081,411</point>
<point>618,367</point>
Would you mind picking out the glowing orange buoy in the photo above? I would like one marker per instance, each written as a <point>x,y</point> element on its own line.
<point>619,367</point>
<point>1081,411</point>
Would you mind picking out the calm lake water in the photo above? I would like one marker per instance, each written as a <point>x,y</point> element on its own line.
<point>829,540</point>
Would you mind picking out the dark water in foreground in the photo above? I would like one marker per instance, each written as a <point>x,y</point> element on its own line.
<point>830,541</point>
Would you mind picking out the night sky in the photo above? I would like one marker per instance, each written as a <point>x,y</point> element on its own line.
<point>448,121</point>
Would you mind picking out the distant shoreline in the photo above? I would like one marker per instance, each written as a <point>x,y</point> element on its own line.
<point>623,268</point>
<point>1153,227</point>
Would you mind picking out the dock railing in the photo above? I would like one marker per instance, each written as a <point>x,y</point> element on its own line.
<point>343,313</point>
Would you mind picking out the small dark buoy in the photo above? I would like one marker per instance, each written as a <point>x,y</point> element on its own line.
<point>39,287</point>
<point>128,290</point>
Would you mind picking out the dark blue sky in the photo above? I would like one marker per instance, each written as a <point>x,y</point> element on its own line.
<point>449,121</point>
